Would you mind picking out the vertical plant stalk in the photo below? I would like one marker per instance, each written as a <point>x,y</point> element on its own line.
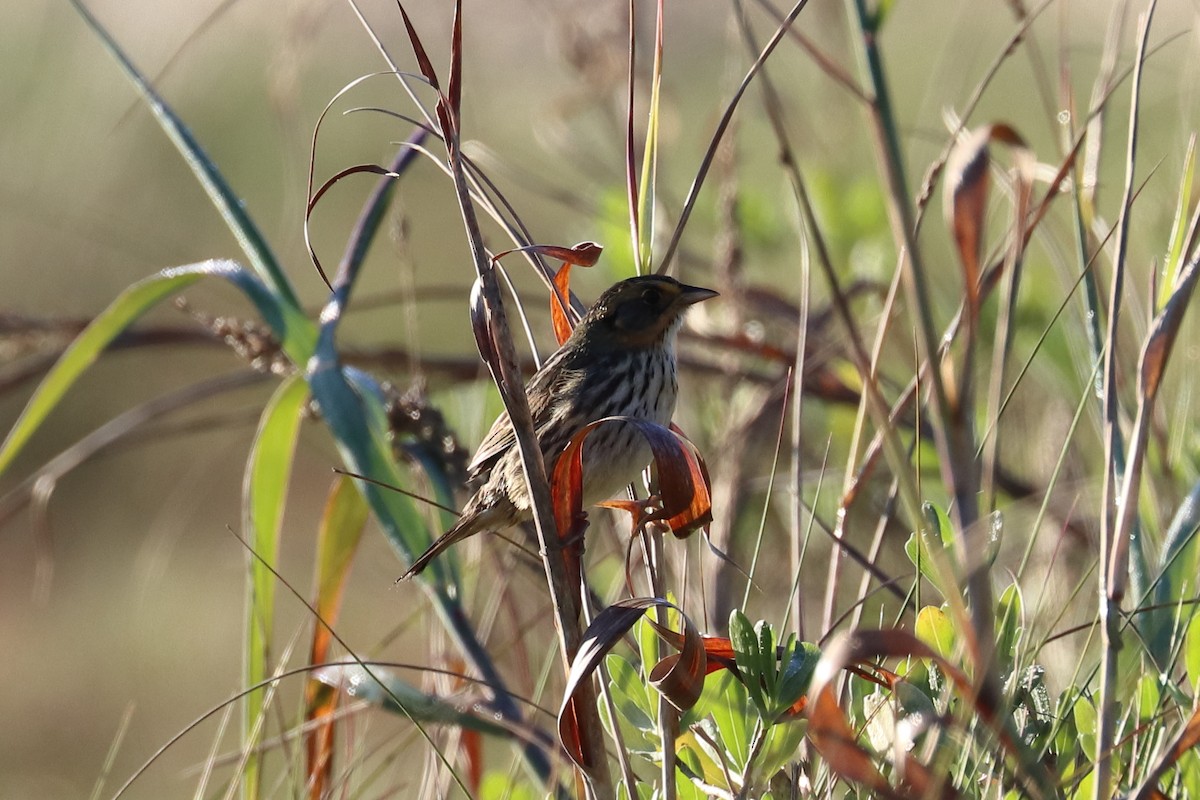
<point>516,403</point>
<point>1089,182</point>
<point>797,537</point>
<point>512,391</point>
<point>1022,179</point>
<point>898,458</point>
<point>445,602</point>
<point>631,185</point>
<point>668,715</point>
<point>1112,584</point>
<point>953,432</point>
<point>1003,344</point>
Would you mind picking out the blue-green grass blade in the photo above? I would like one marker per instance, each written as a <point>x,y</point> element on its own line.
<point>381,687</point>
<point>352,405</point>
<point>1176,576</point>
<point>248,236</point>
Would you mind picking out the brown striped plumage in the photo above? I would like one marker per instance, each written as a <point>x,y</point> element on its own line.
<point>619,361</point>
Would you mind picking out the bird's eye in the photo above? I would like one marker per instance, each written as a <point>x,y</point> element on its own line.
<point>651,296</point>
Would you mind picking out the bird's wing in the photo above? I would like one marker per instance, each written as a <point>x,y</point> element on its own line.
<point>541,390</point>
<point>498,439</point>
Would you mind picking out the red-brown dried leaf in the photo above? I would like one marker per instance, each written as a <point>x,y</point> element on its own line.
<point>568,731</point>
<point>1003,132</point>
<point>631,507</point>
<point>357,169</point>
<point>584,254</point>
<point>447,122</point>
<point>373,169</point>
<point>719,647</point>
<point>455,91</point>
<point>876,674</point>
<point>566,494</point>
<point>862,647</point>
<point>967,184</point>
<point>1188,738</point>
<point>718,650</point>
<point>698,513</point>
<point>682,675</point>
<point>683,484</point>
<point>320,703</point>
<point>920,784</point>
<point>471,744</point>
<point>1163,332</point>
<point>423,62</point>
<point>832,737</point>
<point>558,299</point>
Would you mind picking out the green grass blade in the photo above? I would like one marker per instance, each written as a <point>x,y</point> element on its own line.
<point>649,178</point>
<point>248,236</point>
<point>129,306</point>
<point>1179,228</point>
<point>264,495</point>
<point>1191,653</point>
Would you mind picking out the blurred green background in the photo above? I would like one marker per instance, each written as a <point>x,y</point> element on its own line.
<point>124,593</point>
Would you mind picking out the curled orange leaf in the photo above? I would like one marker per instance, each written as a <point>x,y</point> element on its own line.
<point>680,677</point>
<point>584,254</point>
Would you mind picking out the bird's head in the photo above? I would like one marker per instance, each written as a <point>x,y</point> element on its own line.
<point>639,312</point>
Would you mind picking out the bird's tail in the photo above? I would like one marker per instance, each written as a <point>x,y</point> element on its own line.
<point>472,521</point>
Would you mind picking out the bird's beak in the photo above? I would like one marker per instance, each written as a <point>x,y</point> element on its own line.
<point>690,295</point>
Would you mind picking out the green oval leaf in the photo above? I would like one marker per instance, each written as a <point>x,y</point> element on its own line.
<point>1191,653</point>
<point>935,629</point>
<point>1009,611</point>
